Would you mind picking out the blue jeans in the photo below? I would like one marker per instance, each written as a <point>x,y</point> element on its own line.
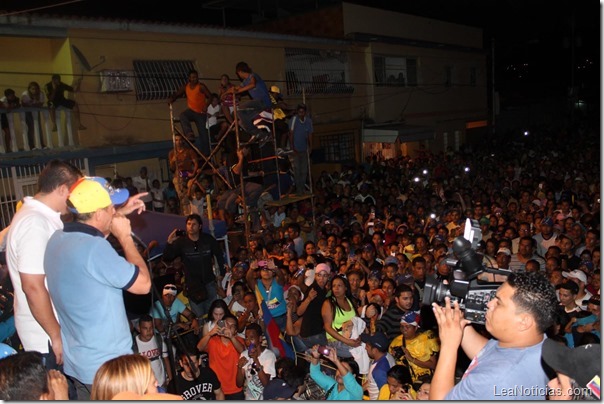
<point>247,111</point>
<point>188,116</point>
<point>342,350</point>
<point>309,342</point>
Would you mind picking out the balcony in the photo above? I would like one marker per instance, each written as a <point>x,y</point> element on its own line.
<point>20,138</point>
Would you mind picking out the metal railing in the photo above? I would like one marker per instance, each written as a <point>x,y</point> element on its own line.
<point>19,121</point>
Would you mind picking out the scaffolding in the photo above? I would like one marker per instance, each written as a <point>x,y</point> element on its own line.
<point>265,122</point>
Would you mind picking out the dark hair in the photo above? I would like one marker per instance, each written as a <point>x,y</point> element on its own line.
<point>145,318</point>
<point>196,217</point>
<point>400,373</point>
<point>333,301</point>
<point>534,294</point>
<point>254,327</point>
<point>193,71</point>
<point>243,67</point>
<point>301,106</point>
<point>57,173</point>
<point>215,304</point>
<point>402,288</point>
<point>294,226</point>
<point>23,377</point>
<point>570,285</point>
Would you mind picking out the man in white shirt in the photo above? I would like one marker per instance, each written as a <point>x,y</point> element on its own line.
<point>143,183</point>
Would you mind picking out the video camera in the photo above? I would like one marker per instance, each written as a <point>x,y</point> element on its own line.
<point>469,283</point>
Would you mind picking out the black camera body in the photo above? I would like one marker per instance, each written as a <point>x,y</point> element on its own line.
<point>465,283</point>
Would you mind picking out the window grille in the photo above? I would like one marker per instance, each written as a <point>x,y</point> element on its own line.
<point>316,71</point>
<point>159,79</point>
<point>338,148</point>
<point>394,71</point>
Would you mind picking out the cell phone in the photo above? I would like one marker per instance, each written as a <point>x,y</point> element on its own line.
<point>323,350</point>
<point>220,323</point>
<point>251,348</point>
<point>181,233</point>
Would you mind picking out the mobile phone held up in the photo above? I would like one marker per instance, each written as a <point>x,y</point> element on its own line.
<point>323,350</point>
<point>181,233</point>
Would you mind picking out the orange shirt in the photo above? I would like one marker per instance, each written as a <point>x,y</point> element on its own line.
<point>223,361</point>
<point>196,99</point>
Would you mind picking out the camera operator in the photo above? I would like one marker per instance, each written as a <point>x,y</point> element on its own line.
<point>196,249</point>
<point>507,365</point>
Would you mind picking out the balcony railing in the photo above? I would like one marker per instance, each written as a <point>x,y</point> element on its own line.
<point>39,119</point>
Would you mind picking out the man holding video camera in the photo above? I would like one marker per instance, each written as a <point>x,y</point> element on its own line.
<point>507,366</point>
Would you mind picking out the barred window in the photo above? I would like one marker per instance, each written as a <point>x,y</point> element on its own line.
<point>316,71</point>
<point>395,71</point>
<point>158,79</point>
<point>338,148</point>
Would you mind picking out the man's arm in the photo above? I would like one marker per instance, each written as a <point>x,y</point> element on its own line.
<point>451,326</point>
<point>40,305</point>
<point>120,228</point>
<point>177,94</point>
<point>249,86</point>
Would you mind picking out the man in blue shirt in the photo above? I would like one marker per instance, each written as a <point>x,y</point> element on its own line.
<point>260,98</point>
<point>507,366</point>
<point>300,137</point>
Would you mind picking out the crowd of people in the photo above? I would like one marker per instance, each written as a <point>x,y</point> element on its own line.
<point>349,306</point>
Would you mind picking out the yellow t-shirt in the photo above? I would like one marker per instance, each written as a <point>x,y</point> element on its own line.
<point>422,347</point>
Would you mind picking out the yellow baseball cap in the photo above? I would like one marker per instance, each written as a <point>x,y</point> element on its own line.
<point>89,194</point>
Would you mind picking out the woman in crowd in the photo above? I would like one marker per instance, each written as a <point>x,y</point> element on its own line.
<point>126,373</point>
<point>337,310</point>
<point>344,385</point>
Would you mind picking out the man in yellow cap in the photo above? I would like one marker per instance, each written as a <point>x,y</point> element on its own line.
<point>86,279</point>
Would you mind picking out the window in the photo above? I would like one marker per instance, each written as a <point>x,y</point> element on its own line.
<point>337,148</point>
<point>395,71</point>
<point>316,71</point>
<point>158,79</point>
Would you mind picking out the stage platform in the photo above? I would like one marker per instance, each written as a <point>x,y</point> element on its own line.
<point>291,198</point>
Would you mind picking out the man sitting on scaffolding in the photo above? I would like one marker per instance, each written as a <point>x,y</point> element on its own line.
<point>260,100</point>
<point>184,165</point>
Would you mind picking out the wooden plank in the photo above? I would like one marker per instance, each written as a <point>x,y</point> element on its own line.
<point>291,198</point>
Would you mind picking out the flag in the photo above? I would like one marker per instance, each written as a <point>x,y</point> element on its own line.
<point>274,337</point>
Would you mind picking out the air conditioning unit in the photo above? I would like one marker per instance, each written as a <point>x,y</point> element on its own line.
<point>116,81</point>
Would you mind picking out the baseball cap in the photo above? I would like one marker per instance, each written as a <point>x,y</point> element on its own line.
<point>378,340</point>
<point>275,89</point>
<point>368,247</point>
<point>6,350</point>
<point>583,363</point>
<point>89,194</point>
<point>322,267</point>
<point>547,221</point>
<point>504,250</point>
<point>277,388</point>
<point>485,220</point>
<point>411,318</point>
<point>286,293</point>
<point>577,274</point>
<point>170,289</point>
<point>376,292</point>
<point>391,260</point>
<point>375,274</point>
